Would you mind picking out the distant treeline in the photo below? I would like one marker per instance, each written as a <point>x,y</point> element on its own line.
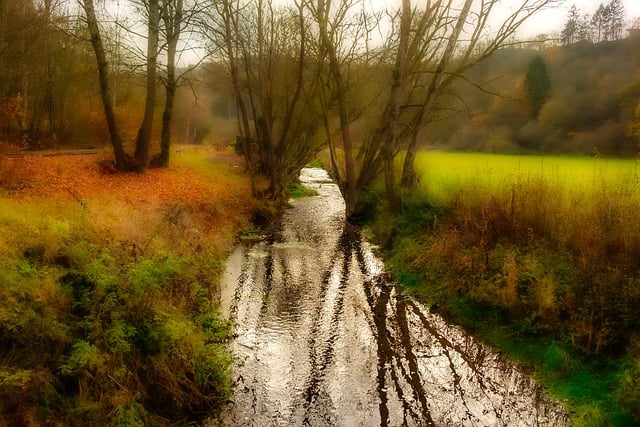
<point>581,98</point>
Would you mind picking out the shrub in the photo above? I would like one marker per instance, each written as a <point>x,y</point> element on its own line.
<point>629,393</point>
<point>95,333</point>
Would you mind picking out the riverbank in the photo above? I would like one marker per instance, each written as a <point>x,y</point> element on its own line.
<point>548,276</point>
<point>322,337</point>
<point>108,310</point>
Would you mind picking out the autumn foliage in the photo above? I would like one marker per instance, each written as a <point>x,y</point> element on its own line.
<point>109,287</point>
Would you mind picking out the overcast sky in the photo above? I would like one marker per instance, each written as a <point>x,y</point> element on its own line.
<point>546,22</point>
<point>553,20</point>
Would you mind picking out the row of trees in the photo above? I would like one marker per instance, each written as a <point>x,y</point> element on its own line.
<point>304,75</point>
<point>606,24</point>
<point>36,44</point>
<point>364,82</point>
<point>165,22</point>
<point>48,69</point>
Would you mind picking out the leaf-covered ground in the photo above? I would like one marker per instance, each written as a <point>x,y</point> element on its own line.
<point>85,177</point>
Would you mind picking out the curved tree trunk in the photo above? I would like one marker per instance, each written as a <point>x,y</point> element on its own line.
<point>105,90</point>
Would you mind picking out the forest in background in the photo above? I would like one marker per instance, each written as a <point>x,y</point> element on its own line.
<point>593,94</point>
<point>49,94</point>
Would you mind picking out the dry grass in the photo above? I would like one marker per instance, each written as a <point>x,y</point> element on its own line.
<point>108,287</point>
<point>207,184</point>
<point>534,253</point>
<point>554,241</point>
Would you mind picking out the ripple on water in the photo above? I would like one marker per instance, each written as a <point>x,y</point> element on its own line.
<point>323,338</point>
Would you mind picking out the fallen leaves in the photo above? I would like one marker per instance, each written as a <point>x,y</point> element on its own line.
<point>80,177</point>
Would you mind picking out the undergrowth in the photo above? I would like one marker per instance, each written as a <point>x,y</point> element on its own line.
<point>108,312</point>
<point>297,190</point>
<point>549,276</point>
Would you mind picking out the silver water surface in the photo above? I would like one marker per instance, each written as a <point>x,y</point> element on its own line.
<point>324,339</point>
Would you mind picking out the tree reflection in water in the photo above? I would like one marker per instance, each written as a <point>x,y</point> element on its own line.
<point>324,338</point>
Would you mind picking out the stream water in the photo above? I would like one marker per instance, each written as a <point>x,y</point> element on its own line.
<point>323,338</point>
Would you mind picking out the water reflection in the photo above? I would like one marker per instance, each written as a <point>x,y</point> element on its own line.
<point>323,338</point>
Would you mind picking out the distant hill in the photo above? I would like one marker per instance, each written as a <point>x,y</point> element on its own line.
<point>594,91</point>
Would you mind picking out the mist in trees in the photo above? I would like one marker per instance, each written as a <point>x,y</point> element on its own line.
<point>288,80</point>
<point>593,93</point>
<point>267,54</point>
<point>166,18</point>
<point>328,63</point>
<point>43,73</point>
<point>73,75</point>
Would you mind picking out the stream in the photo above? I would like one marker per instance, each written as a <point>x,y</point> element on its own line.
<point>324,338</point>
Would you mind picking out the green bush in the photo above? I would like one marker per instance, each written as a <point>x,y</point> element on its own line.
<point>95,331</point>
<point>629,393</point>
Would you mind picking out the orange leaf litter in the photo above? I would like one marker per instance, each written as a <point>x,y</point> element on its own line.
<point>81,177</point>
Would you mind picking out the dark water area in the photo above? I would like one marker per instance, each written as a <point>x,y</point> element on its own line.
<point>324,338</point>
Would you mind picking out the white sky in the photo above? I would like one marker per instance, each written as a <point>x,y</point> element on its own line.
<point>550,20</point>
<point>553,20</point>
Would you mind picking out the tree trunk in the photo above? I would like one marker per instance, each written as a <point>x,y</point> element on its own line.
<point>230,18</point>
<point>398,82</point>
<point>143,141</point>
<point>348,186</point>
<point>105,92</point>
<point>390,183</point>
<point>167,115</point>
<point>409,177</point>
<point>172,21</point>
<point>51,104</point>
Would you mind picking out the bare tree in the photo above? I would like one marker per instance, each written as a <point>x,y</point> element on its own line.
<point>143,140</point>
<point>340,26</point>
<point>429,48</point>
<point>178,19</point>
<point>172,18</point>
<point>223,29</point>
<point>105,88</point>
<point>462,51</point>
<point>265,49</point>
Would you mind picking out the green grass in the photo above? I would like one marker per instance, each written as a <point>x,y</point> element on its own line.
<point>443,173</point>
<point>536,255</point>
<point>298,191</point>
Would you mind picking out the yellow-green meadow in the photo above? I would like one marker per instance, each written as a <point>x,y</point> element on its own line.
<point>445,173</point>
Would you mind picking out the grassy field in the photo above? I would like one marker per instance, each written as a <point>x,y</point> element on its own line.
<point>540,257</point>
<point>109,287</point>
<point>443,174</point>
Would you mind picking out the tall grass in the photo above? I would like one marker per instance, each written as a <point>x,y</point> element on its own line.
<point>108,312</point>
<point>544,249</point>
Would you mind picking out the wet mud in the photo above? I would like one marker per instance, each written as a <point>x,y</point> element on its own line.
<point>324,338</point>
